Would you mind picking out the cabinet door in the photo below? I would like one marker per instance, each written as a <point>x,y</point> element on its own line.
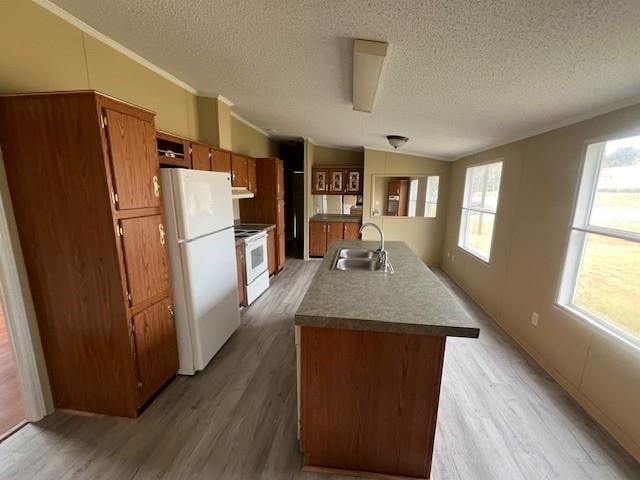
<point>353,182</point>
<point>156,348</point>
<point>272,251</point>
<point>220,161</point>
<point>134,160</point>
<point>334,232</point>
<point>239,174</point>
<point>279,179</point>
<point>282,256</point>
<point>240,269</point>
<point>320,180</point>
<point>336,180</point>
<point>317,239</point>
<point>351,230</point>
<point>145,257</point>
<point>200,159</point>
<point>280,216</point>
<point>251,175</point>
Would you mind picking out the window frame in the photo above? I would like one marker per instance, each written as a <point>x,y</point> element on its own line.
<point>576,238</point>
<point>475,254</point>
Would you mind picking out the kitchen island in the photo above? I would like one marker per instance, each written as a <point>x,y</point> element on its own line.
<point>370,351</point>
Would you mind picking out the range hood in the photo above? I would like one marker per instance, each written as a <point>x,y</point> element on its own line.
<point>241,192</point>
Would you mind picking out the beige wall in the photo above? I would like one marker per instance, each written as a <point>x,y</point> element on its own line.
<point>337,157</point>
<point>539,181</point>
<point>48,54</point>
<point>249,141</point>
<point>424,235</point>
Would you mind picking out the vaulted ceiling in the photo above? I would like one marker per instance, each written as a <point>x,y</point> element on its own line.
<point>460,75</point>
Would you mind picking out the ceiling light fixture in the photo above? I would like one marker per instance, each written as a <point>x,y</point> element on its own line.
<point>396,141</point>
<point>368,57</point>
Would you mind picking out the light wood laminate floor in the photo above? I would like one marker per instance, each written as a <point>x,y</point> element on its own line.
<point>11,412</point>
<point>500,416</point>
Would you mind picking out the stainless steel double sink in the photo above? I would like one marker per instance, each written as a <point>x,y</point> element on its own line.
<point>359,259</point>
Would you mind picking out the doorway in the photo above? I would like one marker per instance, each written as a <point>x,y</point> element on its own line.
<point>292,154</point>
<point>11,409</point>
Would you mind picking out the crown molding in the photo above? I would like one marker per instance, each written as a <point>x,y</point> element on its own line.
<point>76,22</point>
<point>249,124</point>
<point>627,102</point>
<point>225,100</point>
<point>409,152</point>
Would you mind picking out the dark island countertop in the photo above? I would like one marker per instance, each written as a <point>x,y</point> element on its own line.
<point>411,300</point>
<point>335,217</point>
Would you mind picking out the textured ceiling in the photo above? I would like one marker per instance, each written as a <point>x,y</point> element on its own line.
<point>459,75</point>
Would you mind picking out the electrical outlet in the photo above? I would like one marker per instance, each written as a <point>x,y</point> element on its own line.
<point>534,319</point>
<point>448,254</point>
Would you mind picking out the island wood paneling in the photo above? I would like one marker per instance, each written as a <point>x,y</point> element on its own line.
<point>369,400</point>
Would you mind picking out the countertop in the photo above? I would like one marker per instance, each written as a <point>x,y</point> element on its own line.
<point>334,217</point>
<point>411,300</point>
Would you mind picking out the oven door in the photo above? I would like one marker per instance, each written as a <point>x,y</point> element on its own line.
<point>255,257</point>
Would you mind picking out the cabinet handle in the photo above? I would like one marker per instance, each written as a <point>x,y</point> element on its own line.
<point>156,186</point>
<point>161,231</point>
<point>324,228</point>
<point>328,228</point>
<point>171,314</point>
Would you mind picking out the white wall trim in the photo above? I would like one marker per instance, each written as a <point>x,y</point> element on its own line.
<point>407,152</point>
<point>225,100</point>
<point>248,123</point>
<point>76,22</point>
<point>612,107</point>
<point>335,147</point>
<point>14,299</point>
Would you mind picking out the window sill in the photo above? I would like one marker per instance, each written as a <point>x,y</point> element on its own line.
<point>601,326</point>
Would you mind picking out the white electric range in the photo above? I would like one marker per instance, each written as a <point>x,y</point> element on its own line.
<point>256,266</point>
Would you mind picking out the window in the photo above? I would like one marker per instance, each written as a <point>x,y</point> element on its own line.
<point>413,197</point>
<point>479,205</point>
<point>601,276</point>
<point>431,201</point>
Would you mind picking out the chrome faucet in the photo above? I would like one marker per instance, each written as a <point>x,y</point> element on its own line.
<point>383,256</point>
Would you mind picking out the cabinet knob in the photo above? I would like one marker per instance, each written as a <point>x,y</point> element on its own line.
<point>161,232</point>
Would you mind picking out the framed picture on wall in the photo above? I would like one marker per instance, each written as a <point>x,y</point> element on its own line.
<point>336,180</point>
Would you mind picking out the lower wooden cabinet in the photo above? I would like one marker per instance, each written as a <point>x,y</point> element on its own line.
<point>156,348</point>
<point>240,268</point>
<point>272,257</point>
<point>323,234</point>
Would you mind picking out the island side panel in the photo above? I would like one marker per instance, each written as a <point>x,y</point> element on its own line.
<point>369,400</point>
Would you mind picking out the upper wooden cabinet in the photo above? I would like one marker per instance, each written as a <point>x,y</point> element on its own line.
<point>200,157</point>
<point>134,160</point>
<point>173,151</point>
<point>90,224</point>
<point>251,175</point>
<point>220,160</point>
<point>320,179</point>
<point>239,171</point>
<point>337,180</point>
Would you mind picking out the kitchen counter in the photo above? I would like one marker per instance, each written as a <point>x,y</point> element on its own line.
<point>370,352</point>
<point>411,300</point>
<point>334,217</point>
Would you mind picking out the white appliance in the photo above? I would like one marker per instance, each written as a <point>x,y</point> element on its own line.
<point>200,235</point>
<point>256,265</point>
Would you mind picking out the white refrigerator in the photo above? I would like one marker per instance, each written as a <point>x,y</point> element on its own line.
<point>199,226</point>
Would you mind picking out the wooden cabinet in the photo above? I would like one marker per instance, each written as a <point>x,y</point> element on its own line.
<point>200,157</point>
<point>267,206</point>
<point>134,159</point>
<point>320,179</point>
<point>353,181</point>
<point>272,252</point>
<point>87,208</point>
<point>317,239</point>
<point>337,180</point>
<point>251,175</point>
<point>173,151</point>
<point>220,160</point>
<point>240,270</point>
<point>351,231</point>
<point>156,349</point>
<point>397,198</point>
<point>239,171</point>
<point>323,234</point>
